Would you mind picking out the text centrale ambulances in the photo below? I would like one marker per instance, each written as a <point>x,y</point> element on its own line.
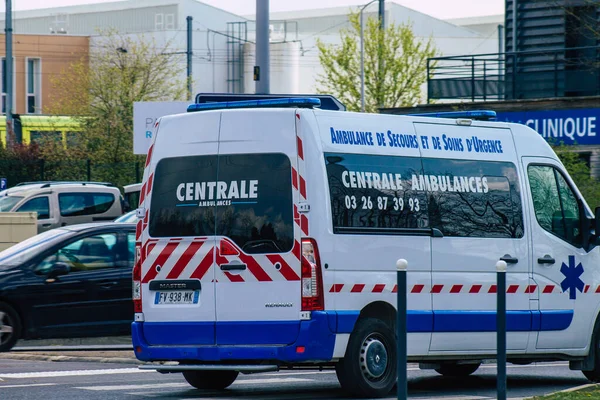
<point>430,183</point>
<point>219,190</point>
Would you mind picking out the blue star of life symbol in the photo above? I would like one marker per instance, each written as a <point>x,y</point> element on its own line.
<point>572,282</point>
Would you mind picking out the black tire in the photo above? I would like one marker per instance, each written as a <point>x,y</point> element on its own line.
<point>456,370</point>
<point>593,376</point>
<point>368,368</point>
<point>10,327</point>
<point>210,380</point>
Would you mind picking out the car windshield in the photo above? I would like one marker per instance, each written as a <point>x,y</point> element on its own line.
<point>30,247</point>
<point>129,217</point>
<point>8,202</point>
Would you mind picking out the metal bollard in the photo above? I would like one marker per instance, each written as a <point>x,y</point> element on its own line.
<point>501,328</point>
<point>401,266</point>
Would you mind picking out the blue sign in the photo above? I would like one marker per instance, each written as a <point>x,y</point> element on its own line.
<point>3,184</point>
<point>576,126</point>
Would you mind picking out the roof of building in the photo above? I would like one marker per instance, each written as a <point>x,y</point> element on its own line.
<point>396,12</point>
<point>105,7</point>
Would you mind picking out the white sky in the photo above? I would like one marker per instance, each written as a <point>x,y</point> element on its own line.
<point>438,8</point>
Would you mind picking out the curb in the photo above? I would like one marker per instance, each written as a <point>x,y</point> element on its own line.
<point>42,357</point>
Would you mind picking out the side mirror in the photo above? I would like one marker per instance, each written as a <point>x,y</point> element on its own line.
<point>58,269</point>
<point>597,219</point>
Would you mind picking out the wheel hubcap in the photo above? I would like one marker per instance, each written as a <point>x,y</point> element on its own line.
<point>374,358</point>
<point>6,328</point>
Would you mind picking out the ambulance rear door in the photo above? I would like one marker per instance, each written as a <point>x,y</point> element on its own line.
<point>178,243</point>
<point>257,274</point>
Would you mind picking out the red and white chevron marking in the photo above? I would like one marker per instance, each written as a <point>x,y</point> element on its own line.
<point>449,289</point>
<point>193,258</point>
<point>179,259</point>
<point>299,183</point>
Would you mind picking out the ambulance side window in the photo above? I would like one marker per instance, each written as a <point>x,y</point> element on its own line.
<point>555,204</point>
<point>473,198</point>
<point>373,194</point>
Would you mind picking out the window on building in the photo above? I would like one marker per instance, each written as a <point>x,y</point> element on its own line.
<point>169,21</point>
<point>33,77</point>
<point>580,59</point>
<point>159,21</point>
<point>4,85</point>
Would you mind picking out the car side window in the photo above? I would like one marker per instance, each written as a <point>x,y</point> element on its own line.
<point>41,205</point>
<point>86,254</point>
<point>78,204</point>
<point>556,206</point>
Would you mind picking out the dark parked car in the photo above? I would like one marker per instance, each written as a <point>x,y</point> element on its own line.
<point>73,281</point>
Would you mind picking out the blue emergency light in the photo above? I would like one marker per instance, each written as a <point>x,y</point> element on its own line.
<point>480,115</point>
<point>296,102</point>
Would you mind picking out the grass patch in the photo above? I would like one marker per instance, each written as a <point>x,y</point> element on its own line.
<point>592,392</point>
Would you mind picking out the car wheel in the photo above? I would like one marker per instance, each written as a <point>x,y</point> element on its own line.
<point>457,370</point>
<point>594,375</point>
<point>368,368</point>
<point>215,380</point>
<point>10,327</point>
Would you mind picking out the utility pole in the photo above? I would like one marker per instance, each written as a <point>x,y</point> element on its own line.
<point>189,53</point>
<point>381,44</point>
<point>9,72</point>
<point>262,70</point>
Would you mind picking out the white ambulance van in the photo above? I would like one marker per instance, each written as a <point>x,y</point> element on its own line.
<point>269,233</point>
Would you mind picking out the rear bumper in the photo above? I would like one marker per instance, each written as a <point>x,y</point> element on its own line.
<point>316,336</point>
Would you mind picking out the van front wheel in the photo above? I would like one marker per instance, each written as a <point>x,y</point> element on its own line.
<point>213,380</point>
<point>368,368</point>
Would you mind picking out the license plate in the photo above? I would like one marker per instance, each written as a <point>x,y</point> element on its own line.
<point>177,297</point>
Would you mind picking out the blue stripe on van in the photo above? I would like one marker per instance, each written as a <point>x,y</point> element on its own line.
<point>314,341</point>
<point>470,321</point>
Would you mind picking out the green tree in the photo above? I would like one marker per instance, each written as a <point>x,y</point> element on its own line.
<point>100,91</point>
<point>397,84</point>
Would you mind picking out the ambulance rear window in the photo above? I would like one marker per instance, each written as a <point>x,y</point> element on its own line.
<point>245,197</point>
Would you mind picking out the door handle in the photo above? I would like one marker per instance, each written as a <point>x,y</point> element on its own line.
<point>547,259</point>
<point>107,285</point>
<point>46,225</point>
<point>233,267</point>
<point>507,258</point>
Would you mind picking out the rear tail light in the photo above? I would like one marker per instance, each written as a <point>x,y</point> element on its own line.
<point>137,279</point>
<point>312,279</point>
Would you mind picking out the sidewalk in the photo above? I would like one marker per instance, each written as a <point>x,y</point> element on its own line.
<point>105,356</point>
<point>118,357</point>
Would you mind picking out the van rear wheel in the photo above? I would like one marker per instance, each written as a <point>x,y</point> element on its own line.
<point>368,368</point>
<point>457,370</point>
<point>215,380</point>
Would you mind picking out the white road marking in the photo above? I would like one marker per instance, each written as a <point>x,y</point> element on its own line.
<point>85,372</point>
<point>286,373</point>
<point>270,380</point>
<point>135,387</point>
<point>30,385</point>
<point>181,385</point>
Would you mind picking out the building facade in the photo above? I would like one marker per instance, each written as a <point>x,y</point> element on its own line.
<point>37,59</point>
<point>223,44</point>
<point>552,48</point>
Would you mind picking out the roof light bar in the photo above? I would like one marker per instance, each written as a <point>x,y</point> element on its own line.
<point>480,115</point>
<point>299,102</point>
